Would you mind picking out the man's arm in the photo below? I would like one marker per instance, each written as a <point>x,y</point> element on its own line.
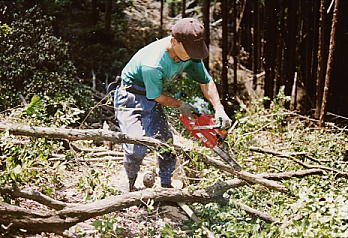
<point>168,101</point>
<point>211,93</point>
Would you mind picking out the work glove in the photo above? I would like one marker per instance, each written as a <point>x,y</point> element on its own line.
<point>222,118</point>
<point>187,110</point>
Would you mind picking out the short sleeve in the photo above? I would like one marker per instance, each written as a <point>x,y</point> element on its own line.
<point>197,72</point>
<point>153,81</point>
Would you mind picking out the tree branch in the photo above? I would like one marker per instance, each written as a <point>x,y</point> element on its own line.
<point>58,221</point>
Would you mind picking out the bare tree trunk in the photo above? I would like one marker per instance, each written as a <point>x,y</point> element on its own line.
<point>224,76</point>
<point>321,60</point>
<point>332,54</point>
<point>77,134</point>
<point>108,12</point>
<point>270,38</point>
<point>235,40</point>
<point>206,22</point>
<point>290,53</point>
<point>161,17</point>
<point>279,67</point>
<point>256,44</point>
<point>183,9</point>
<point>94,12</point>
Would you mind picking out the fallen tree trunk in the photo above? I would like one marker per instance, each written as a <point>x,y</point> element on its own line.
<point>117,137</point>
<point>79,134</point>
<point>68,214</point>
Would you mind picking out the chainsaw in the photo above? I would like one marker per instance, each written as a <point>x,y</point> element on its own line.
<point>209,133</point>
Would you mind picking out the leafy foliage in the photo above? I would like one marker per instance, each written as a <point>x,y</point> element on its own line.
<point>316,205</point>
<point>34,61</point>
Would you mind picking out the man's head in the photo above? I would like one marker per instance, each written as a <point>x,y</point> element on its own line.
<point>190,32</point>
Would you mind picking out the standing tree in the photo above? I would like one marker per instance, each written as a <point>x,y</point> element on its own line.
<point>321,60</point>
<point>224,77</point>
<point>161,17</point>
<point>183,9</point>
<point>270,39</point>
<point>291,43</point>
<point>108,12</point>
<point>206,21</point>
<point>332,53</point>
<point>256,44</point>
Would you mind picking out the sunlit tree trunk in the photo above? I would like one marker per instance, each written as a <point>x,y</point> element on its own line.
<point>332,53</point>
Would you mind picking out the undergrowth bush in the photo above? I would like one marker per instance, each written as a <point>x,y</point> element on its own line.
<point>316,205</point>
<point>34,61</point>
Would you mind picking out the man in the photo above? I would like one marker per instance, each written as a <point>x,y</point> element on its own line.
<point>139,98</point>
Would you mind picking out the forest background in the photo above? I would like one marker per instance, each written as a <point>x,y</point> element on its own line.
<point>268,57</point>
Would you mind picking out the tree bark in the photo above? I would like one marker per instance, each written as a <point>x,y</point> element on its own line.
<point>291,44</point>
<point>183,9</point>
<point>161,17</point>
<point>224,74</point>
<point>77,134</point>
<point>206,22</point>
<point>330,63</point>
<point>321,59</point>
<point>108,13</point>
<point>256,45</point>
<point>270,38</point>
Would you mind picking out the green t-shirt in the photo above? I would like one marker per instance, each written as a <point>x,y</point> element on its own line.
<point>151,66</point>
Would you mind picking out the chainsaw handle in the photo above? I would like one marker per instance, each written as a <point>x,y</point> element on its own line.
<point>208,127</point>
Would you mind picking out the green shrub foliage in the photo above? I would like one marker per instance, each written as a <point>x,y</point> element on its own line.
<point>34,61</point>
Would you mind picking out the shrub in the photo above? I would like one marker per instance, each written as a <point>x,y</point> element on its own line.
<point>34,61</point>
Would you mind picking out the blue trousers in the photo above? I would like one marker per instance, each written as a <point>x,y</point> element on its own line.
<point>139,116</point>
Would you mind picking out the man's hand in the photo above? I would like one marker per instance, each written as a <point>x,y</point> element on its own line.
<point>187,110</point>
<point>221,117</point>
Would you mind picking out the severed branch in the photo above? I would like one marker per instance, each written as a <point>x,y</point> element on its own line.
<point>256,213</point>
<point>308,166</point>
<point>14,191</point>
<point>249,177</point>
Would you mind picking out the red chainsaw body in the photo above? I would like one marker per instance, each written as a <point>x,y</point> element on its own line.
<point>209,137</point>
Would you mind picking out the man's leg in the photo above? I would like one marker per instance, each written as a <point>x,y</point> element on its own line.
<point>129,116</point>
<point>159,128</point>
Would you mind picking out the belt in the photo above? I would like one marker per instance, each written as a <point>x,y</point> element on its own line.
<point>131,89</point>
<point>118,82</point>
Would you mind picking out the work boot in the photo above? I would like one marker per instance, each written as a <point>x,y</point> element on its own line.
<point>164,185</point>
<point>131,184</point>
